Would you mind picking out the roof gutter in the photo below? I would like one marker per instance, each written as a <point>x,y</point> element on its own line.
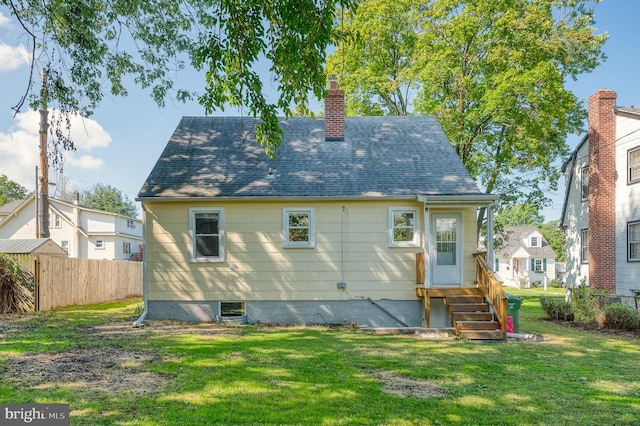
<point>139,322</point>
<point>457,200</point>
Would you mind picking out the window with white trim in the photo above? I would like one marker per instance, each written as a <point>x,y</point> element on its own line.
<point>633,165</point>
<point>584,183</point>
<point>538,265</point>
<point>633,241</point>
<point>584,246</point>
<point>99,244</point>
<point>404,227</point>
<point>534,241</point>
<point>206,232</point>
<point>126,248</point>
<point>65,245</point>
<point>298,225</point>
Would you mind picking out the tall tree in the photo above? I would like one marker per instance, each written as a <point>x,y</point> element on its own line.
<point>109,199</point>
<point>375,59</point>
<point>11,191</point>
<point>91,48</point>
<point>519,214</point>
<point>493,72</point>
<point>556,238</point>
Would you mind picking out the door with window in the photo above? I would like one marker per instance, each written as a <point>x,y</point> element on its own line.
<point>446,249</point>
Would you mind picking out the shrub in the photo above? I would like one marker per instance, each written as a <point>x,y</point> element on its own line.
<point>583,304</point>
<point>15,287</point>
<point>620,317</point>
<point>556,308</point>
<point>555,283</point>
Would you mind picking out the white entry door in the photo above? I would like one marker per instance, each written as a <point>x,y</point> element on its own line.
<point>446,249</point>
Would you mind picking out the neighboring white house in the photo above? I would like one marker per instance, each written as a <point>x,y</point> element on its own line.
<point>601,211</point>
<point>81,231</point>
<point>525,257</point>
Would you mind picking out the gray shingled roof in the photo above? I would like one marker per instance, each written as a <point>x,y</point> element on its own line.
<point>10,206</point>
<point>380,156</point>
<point>513,241</point>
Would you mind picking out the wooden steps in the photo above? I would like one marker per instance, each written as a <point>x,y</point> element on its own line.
<point>471,317</point>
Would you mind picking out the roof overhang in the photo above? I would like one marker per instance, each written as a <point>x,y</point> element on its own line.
<point>471,200</point>
<point>468,200</point>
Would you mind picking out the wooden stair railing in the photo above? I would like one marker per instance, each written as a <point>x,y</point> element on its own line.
<point>492,291</point>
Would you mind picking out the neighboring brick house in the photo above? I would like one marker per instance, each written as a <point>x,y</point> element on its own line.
<point>601,210</point>
<point>525,257</point>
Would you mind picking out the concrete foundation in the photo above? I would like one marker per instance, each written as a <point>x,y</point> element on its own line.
<point>380,313</point>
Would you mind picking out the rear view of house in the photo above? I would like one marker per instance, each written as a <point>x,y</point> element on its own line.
<point>341,227</point>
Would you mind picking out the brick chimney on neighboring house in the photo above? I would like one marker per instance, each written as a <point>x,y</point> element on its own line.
<point>602,190</point>
<point>334,112</point>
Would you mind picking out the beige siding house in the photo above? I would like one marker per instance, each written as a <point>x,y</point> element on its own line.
<point>336,229</point>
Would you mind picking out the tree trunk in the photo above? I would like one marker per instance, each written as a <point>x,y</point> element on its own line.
<point>43,197</point>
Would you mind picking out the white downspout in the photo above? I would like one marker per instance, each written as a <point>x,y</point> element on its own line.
<point>145,247</point>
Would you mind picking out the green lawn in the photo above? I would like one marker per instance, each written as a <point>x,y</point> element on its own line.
<point>170,373</point>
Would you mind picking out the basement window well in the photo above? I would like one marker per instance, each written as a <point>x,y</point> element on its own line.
<point>232,309</point>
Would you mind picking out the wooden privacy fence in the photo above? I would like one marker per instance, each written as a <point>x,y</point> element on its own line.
<point>62,281</point>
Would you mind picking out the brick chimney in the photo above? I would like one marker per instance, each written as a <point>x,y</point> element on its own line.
<point>602,190</point>
<point>334,112</point>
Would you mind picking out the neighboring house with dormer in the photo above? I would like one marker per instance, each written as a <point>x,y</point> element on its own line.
<point>81,231</point>
<point>601,209</point>
<point>525,257</point>
<point>355,220</point>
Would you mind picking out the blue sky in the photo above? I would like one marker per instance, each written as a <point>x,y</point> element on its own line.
<point>121,142</point>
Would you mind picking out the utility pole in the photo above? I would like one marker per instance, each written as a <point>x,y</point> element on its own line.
<point>43,198</point>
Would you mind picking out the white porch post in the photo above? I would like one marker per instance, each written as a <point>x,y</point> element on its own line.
<point>490,263</point>
<point>426,246</point>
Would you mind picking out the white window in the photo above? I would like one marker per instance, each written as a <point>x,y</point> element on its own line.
<point>298,226</point>
<point>232,309</point>
<point>404,227</point>
<point>534,241</point>
<point>126,248</point>
<point>584,246</point>
<point>55,221</point>
<point>633,165</point>
<point>206,232</point>
<point>538,265</point>
<point>100,244</point>
<point>65,245</point>
<point>584,183</point>
<point>633,239</point>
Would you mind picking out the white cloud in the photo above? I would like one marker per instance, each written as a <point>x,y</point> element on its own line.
<point>4,21</point>
<point>19,147</point>
<point>84,161</point>
<point>12,57</point>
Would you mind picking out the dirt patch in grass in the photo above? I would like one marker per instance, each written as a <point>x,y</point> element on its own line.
<point>405,387</point>
<point>105,369</point>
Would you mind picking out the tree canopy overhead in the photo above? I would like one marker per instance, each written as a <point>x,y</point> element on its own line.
<point>91,48</point>
<point>11,191</point>
<point>492,71</point>
<point>109,199</point>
